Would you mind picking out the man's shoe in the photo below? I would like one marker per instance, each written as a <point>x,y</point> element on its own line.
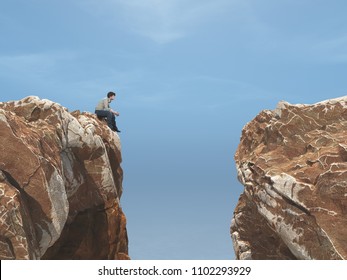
<point>115,129</point>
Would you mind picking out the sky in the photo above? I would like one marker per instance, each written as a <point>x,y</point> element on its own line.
<point>189,74</point>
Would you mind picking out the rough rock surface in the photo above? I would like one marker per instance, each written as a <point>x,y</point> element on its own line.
<point>293,164</point>
<point>60,184</point>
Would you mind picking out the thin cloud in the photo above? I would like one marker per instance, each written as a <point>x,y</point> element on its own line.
<point>162,21</point>
<point>333,50</point>
<point>32,65</point>
<point>38,72</point>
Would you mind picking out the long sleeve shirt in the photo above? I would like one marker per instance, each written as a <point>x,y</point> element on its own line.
<point>104,104</point>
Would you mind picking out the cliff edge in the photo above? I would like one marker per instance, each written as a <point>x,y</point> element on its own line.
<point>292,162</point>
<point>60,184</point>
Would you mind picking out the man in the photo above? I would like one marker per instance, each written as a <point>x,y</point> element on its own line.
<point>103,110</point>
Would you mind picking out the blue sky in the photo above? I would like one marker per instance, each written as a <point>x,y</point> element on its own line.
<point>188,76</point>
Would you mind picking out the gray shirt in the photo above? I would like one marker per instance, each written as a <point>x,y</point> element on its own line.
<point>104,104</point>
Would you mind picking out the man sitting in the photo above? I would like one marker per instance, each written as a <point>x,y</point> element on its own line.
<point>103,110</point>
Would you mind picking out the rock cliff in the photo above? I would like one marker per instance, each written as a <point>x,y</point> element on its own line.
<point>293,164</point>
<point>60,184</point>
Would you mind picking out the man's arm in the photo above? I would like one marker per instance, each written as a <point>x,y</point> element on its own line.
<point>108,108</point>
<point>115,113</point>
<point>106,105</point>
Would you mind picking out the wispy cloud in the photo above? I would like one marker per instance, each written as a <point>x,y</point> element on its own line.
<point>332,50</point>
<point>54,73</point>
<point>28,64</point>
<point>41,73</point>
<point>32,65</point>
<point>162,21</point>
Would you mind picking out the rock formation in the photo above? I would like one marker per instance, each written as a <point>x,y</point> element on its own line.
<point>293,164</point>
<point>60,184</point>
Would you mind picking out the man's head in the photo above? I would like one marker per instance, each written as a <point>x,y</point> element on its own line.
<point>111,95</point>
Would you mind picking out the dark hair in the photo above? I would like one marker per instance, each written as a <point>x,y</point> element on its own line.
<point>111,93</point>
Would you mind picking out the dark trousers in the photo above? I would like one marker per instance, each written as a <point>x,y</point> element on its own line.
<point>111,119</point>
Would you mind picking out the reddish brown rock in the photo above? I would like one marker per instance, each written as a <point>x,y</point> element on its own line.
<point>293,164</point>
<point>60,184</point>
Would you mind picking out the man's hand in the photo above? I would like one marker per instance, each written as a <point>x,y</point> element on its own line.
<point>115,113</point>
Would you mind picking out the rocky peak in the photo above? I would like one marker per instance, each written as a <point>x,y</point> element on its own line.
<point>60,184</point>
<point>292,162</point>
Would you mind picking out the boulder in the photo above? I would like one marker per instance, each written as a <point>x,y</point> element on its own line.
<point>60,184</point>
<point>292,162</point>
